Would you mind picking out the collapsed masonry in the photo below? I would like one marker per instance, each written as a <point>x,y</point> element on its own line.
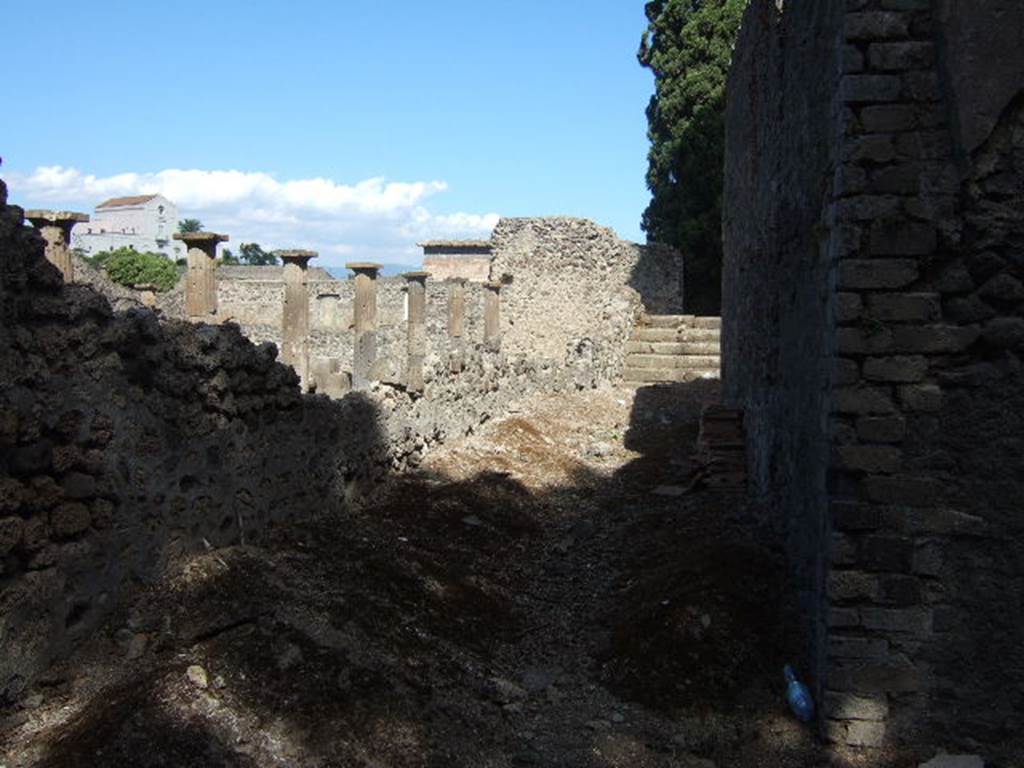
<point>873,330</point>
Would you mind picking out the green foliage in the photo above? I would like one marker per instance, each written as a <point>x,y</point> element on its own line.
<point>227,257</point>
<point>253,255</point>
<point>190,225</point>
<point>129,267</point>
<point>688,47</point>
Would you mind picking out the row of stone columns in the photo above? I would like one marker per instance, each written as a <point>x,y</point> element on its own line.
<point>201,304</point>
<point>365,322</point>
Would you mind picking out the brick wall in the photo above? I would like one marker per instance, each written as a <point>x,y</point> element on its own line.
<point>921,213</point>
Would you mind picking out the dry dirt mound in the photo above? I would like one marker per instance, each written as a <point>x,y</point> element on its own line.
<point>524,599</point>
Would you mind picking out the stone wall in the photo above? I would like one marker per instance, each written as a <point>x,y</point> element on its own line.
<point>903,184</point>
<point>573,290</point>
<point>571,293</point>
<point>127,441</point>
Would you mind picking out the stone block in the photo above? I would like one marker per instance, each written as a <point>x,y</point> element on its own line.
<point>857,647</point>
<point>859,341</point>
<point>847,706</point>
<point>910,491</point>
<point>869,458</point>
<point>888,118</point>
<point>876,678</point>
<point>924,145</point>
<point>11,529</point>
<point>844,586</point>
<point>884,429</point>
<point>904,307</point>
<point>943,521</point>
<point>934,339</point>
<point>843,618</point>
<point>955,279</point>
<point>873,148</point>
<point>901,55</point>
<point>70,519</point>
<point>923,398</point>
<point>849,307</point>
<point>898,179</point>
<point>906,5</point>
<point>78,485</point>
<point>865,733</point>
<point>900,590</point>
<point>1004,333</point>
<point>877,274</point>
<point>889,554</point>
<point>850,180</point>
<point>866,89</point>
<point>969,309</point>
<point>877,25</point>
<point>868,207</point>
<point>842,432</point>
<point>862,400</point>
<point>897,369</point>
<point>914,621</point>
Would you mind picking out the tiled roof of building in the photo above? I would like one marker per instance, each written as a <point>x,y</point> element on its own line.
<point>482,244</point>
<point>117,202</point>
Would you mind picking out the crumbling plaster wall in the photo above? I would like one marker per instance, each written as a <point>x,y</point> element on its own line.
<point>573,289</point>
<point>908,212</point>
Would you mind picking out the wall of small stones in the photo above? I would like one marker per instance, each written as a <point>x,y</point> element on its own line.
<point>913,218</point>
<point>128,440</point>
<point>573,290</point>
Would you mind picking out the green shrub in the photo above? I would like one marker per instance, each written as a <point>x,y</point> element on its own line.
<point>129,267</point>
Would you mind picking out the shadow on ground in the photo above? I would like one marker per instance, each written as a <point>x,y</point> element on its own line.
<point>451,621</point>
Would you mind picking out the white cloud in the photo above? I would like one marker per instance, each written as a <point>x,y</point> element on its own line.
<point>373,219</point>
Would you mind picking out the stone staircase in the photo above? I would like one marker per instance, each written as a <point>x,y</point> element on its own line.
<point>667,348</point>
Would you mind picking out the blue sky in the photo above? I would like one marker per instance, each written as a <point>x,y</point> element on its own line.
<point>351,126</point>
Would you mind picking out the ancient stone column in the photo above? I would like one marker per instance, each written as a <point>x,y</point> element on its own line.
<point>295,315</point>
<point>201,277</point>
<point>457,323</point>
<point>492,316</point>
<point>417,350</point>
<point>55,227</point>
<point>365,321</point>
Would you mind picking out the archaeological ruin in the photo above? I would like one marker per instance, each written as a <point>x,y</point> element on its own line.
<point>872,332</point>
<point>870,415</point>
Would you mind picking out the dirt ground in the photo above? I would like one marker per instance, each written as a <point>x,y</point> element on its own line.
<point>547,592</point>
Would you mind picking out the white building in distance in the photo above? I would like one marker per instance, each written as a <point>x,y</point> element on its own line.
<point>142,222</point>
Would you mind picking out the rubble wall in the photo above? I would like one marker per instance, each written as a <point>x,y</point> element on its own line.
<point>573,289</point>
<point>127,441</point>
<point>921,213</point>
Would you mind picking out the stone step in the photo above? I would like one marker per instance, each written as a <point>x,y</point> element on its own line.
<point>673,348</point>
<point>662,335</point>
<point>665,321</point>
<point>651,375</point>
<point>672,361</point>
<point>707,322</point>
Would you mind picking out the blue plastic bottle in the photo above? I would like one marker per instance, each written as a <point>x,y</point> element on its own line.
<point>798,696</point>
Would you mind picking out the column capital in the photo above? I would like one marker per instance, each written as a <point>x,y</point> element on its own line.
<point>40,217</point>
<point>200,239</point>
<point>494,286</point>
<point>296,256</point>
<point>365,267</point>
<point>417,276</point>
